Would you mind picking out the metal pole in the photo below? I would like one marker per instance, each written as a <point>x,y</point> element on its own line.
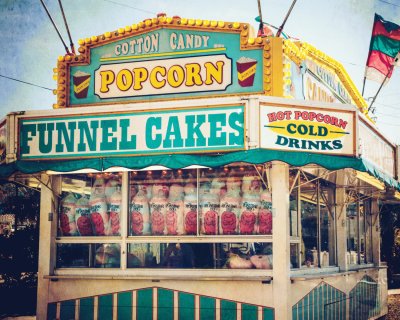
<point>66,26</point>
<point>363,87</point>
<point>379,90</point>
<point>384,80</point>
<point>55,27</point>
<point>259,12</point>
<point>261,25</point>
<point>284,21</point>
<point>319,223</point>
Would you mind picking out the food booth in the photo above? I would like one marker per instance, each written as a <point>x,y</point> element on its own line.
<point>190,170</point>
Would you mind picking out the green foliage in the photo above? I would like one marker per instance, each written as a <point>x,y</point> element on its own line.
<point>19,247</point>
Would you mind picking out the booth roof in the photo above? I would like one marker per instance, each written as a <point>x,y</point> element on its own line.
<point>179,161</point>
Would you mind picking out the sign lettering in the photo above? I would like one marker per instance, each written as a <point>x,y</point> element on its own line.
<point>287,128</point>
<point>186,130</point>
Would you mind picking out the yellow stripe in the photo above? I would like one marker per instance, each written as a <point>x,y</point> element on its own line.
<point>246,74</point>
<point>82,86</point>
<point>162,54</point>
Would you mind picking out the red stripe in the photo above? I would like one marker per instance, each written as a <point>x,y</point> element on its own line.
<point>380,62</point>
<point>379,29</point>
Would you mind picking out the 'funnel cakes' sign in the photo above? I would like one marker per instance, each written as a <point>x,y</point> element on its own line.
<point>162,58</point>
<point>294,128</point>
<point>189,130</point>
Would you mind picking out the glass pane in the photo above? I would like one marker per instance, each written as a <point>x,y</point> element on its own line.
<point>294,255</point>
<point>163,203</point>
<point>90,205</point>
<point>223,201</point>
<point>309,225</point>
<point>200,255</point>
<point>363,228</point>
<point>368,231</point>
<point>88,255</point>
<point>293,208</point>
<point>327,255</point>
<point>326,236</point>
<point>352,234</point>
<point>212,188</point>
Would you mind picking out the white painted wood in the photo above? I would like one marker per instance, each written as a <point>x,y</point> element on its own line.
<point>281,245</point>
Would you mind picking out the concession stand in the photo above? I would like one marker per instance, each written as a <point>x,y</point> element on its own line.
<point>190,170</point>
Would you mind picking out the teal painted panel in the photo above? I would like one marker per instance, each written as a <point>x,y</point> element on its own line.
<point>165,304</point>
<point>185,306</point>
<point>307,308</point>
<point>249,312</point>
<point>144,309</point>
<point>323,302</point>
<point>51,311</point>
<point>365,299</point>
<point>320,303</point>
<point>268,314</point>
<point>228,310</point>
<point>86,308</point>
<point>294,313</point>
<point>300,310</point>
<point>67,310</point>
<point>124,301</point>
<point>105,307</point>
<point>207,308</point>
<point>314,295</point>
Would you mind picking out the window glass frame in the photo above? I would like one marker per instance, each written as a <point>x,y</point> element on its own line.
<point>124,239</point>
<point>363,242</point>
<point>298,180</point>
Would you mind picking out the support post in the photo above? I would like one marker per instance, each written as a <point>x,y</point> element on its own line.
<point>47,247</point>
<point>281,240</point>
<point>341,244</point>
<point>376,233</point>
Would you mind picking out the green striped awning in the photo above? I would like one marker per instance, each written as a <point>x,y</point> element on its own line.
<point>178,161</point>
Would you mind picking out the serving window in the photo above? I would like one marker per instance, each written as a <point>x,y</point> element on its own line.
<point>190,218</point>
<point>90,205</point>
<point>209,202</point>
<point>358,229</point>
<point>312,221</point>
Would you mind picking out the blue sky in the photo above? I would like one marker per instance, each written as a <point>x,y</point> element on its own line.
<point>340,28</point>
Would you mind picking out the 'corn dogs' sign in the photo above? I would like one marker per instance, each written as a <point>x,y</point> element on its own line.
<point>164,63</point>
<point>118,134</point>
<point>295,128</point>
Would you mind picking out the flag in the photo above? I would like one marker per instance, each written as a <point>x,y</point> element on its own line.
<point>383,50</point>
<point>264,31</point>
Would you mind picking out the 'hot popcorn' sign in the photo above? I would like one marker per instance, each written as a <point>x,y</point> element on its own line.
<point>293,128</point>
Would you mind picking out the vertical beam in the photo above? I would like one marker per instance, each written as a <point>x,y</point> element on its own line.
<point>340,208</point>
<point>341,236</point>
<point>273,67</point>
<point>376,237</point>
<point>318,223</point>
<point>281,242</point>
<point>123,217</point>
<point>47,246</point>
<point>332,218</point>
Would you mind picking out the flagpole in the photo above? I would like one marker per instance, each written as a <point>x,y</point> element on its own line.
<point>260,27</point>
<point>396,59</point>
<point>379,90</point>
<point>284,21</point>
<point>363,87</point>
